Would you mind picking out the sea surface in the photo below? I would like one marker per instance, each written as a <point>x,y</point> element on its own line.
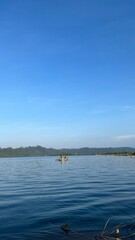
<point>39,194</point>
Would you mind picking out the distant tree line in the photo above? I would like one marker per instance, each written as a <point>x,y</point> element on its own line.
<point>42,151</point>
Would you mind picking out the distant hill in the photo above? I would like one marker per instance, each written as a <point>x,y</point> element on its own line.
<point>42,151</point>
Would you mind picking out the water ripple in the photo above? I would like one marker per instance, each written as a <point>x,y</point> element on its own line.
<point>38,195</point>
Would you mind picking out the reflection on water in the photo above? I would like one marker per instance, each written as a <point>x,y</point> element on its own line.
<point>38,195</point>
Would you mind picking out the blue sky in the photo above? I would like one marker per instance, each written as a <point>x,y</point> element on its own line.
<point>67,75</point>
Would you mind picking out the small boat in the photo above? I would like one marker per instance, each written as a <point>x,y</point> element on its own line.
<point>63,158</point>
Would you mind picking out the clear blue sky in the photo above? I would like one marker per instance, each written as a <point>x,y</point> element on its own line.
<point>67,73</point>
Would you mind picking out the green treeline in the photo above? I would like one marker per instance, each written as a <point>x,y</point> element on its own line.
<point>42,151</point>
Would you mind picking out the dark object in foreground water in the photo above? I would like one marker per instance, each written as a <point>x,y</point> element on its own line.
<point>117,232</point>
<point>66,228</point>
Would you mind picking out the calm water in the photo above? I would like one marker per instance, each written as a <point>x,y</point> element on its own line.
<point>38,195</point>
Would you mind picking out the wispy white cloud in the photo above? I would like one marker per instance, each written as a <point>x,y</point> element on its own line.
<point>129,107</point>
<point>124,137</point>
<point>98,111</point>
<point>32,100</point>
<point>22,126</point>
<point>44,101</point>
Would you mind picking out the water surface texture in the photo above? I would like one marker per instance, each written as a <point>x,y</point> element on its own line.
<point>39,194</point>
